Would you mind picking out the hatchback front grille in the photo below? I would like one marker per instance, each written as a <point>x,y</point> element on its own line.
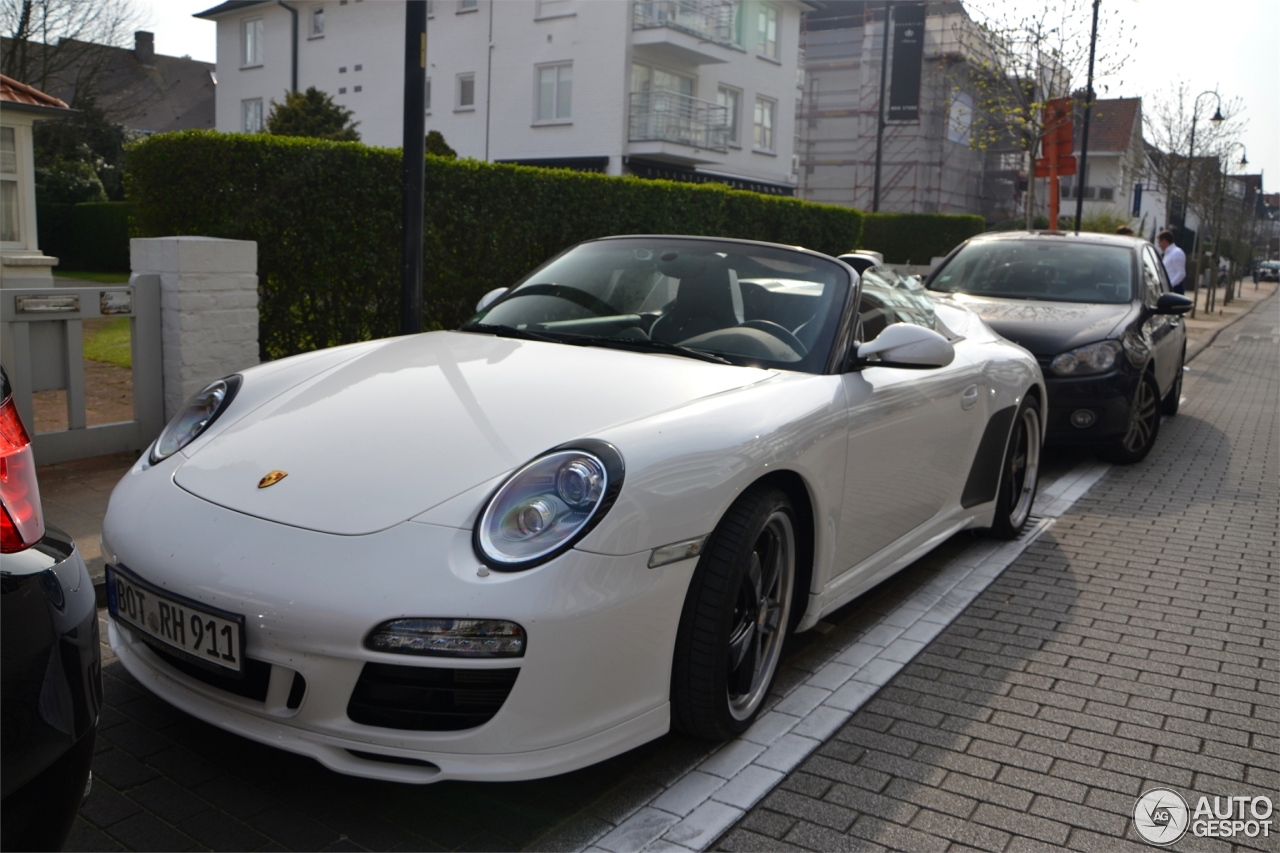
<point>429,699</point>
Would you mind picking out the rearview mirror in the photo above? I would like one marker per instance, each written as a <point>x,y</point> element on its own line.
<point>908,345</point>
<point>1172,303</point>
<point>489,298</point>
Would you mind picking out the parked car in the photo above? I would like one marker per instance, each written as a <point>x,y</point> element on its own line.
<point>863,259</point>
<point>52,675</point>
<point>1268,271</point>
<point>588,515</point>
<point>1097,312</point>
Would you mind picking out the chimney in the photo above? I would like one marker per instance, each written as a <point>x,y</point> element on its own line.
<point>144,48</point>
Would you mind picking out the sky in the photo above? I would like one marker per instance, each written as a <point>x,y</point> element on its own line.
<point>1224,45</point>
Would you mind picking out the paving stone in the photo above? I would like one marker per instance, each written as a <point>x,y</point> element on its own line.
<point>218,831</point>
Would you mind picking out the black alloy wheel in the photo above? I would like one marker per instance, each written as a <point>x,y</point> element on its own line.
<point>1144,425</point>
<point>1169,405</point>
<point>1019,472</point>
<point>735,618</point>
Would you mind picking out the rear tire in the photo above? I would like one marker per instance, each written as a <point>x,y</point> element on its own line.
<point>1019,472</point>
<point>1144,426</point>
<point>735,618</point>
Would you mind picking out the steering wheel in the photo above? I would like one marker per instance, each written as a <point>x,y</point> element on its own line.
<point>779,332</point>
<point>581,298</point>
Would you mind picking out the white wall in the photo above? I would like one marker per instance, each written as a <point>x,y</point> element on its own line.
<point>594,35</point>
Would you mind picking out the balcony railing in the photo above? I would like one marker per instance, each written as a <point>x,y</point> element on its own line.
<point>665,116</point>
<point>711,20</point>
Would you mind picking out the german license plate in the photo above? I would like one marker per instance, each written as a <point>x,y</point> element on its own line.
<point>196,632</point>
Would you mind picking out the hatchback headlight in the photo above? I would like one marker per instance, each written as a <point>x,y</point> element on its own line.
<point>548,505</point>
<point>195,417</point>
<point>1086,360</point>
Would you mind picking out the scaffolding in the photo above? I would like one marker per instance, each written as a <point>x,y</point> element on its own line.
<point>927,166</point>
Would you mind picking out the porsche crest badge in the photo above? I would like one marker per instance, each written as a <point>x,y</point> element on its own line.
<point>272,478</point>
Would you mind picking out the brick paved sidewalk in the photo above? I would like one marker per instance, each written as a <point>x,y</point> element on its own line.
<point>1133,646</point>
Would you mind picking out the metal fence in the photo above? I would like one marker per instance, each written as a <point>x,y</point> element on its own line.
<point>664,116</point>
<point>706,19</point>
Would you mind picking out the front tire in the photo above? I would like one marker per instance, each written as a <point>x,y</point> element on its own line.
<point>1019,472</point>
<point>735,618</point>
<point>1144,426</point>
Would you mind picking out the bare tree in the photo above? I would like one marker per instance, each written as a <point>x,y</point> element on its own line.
<point>53,44</point>
<point>1166,120</point>
<point>1016,61</point>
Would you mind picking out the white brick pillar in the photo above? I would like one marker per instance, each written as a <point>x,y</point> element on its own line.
<point>208,308</point>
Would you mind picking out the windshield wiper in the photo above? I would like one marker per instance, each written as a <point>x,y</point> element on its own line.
<point>638,345</point>
<point>512,332</point>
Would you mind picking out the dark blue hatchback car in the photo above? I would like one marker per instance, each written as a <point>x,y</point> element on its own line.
<point>1097,313</point>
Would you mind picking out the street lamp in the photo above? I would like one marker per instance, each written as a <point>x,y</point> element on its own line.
<point>1186,197</point>
<point>1219,228</point>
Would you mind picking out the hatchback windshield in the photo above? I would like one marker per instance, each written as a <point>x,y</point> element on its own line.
<point>740,303</point>
<point>1040,269</point>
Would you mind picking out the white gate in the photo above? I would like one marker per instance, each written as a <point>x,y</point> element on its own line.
<point>42,348</point>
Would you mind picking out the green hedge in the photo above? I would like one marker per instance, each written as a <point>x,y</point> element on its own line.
<point>917,238</point>
<point>87,236</point>
<point>326,217</point>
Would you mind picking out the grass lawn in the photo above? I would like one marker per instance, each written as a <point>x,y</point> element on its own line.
<point>109,341</point>
<point>95,277</point>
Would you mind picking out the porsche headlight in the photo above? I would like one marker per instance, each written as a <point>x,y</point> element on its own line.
<point>546,506</point>
<point>1086,360</point>
<point>195,417</point>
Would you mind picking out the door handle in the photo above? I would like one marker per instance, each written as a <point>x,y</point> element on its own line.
<point>969,397</point>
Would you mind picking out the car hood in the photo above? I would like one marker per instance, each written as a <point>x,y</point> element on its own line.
<point>409,424</point>
<point>1048,328</point>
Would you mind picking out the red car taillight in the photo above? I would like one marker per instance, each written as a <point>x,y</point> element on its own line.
<point>21,522</point>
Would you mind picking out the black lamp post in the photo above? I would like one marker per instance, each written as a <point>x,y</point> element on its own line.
<point>1186,196</point>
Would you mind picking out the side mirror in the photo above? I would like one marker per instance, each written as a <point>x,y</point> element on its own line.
<point>490,297</point>
<point>1172,303</point>
<point>908,345</point>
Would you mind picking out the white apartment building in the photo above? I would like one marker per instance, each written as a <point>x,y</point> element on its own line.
<point>691,90</point>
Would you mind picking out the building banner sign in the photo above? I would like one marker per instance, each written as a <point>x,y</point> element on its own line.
<point>908,60</point>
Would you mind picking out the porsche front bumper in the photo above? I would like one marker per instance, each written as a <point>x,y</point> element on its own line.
<point>594,680</point>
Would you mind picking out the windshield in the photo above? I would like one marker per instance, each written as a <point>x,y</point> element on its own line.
<point>744,303</point>
<point>1040,269</point>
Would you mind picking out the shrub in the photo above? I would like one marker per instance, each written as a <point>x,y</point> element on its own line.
<point>101,235</point>
<point>326,217</point>
<point>90,236</point>
<point>917,238</point>
<point>68,182</point>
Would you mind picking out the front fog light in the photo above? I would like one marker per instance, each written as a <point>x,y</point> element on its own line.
<point>1082,418</point>
<point>452,638</point>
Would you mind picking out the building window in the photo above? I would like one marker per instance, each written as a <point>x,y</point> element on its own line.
<point>466,91</point>
<point>251,111</point>
<point>428,95</point>
<point>10,232</point>
<point>468,6</point>
<point>555,92</point>
<point>767,24</point>
<point>317,22</point>
<point>251,42</point>
<point>731,99</point>
<point>762,134</point>
<point>1106,193</point>
<point>740,24</point>
<point>552,9</point>
<point>431,8</point>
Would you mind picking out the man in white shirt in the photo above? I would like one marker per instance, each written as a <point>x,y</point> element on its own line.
<point>1175,261</point>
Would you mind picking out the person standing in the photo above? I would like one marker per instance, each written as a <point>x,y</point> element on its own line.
<point>1175,261</point>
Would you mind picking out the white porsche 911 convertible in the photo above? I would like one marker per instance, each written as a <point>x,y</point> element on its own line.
<point>587,516</point>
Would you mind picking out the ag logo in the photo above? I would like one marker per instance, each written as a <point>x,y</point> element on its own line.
<point>1161,816</point>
